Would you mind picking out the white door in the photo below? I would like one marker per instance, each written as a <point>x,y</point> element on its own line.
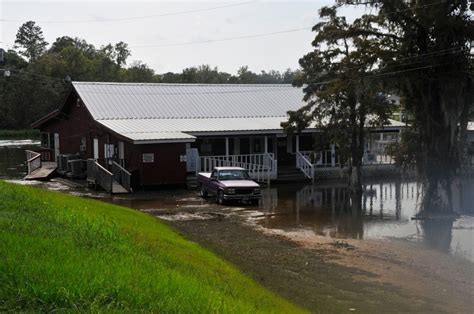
<point>56,146</point>
<point>96,148</point>
<point>192,160</point>
<point>121,151</point>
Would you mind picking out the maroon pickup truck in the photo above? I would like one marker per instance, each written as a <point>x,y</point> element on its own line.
<point>229,183</point>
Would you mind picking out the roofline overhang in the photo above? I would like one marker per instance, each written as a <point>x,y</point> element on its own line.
<point>38,123</point>
<point>165,141</point>
<point>278,132</point>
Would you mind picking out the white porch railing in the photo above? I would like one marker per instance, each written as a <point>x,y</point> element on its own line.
<point>376,152</point>
<point>261,167</point>
<point>33,160</point>
<point>305,165</point>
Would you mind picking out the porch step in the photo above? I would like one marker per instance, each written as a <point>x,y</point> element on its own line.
<point>117,188</point>
<point>291,174</point>
<point>191,182</point>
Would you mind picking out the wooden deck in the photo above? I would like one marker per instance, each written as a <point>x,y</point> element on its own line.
<point>42,173</point>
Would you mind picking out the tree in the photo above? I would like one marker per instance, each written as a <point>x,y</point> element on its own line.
<point>424,54</point>
<point>31,41</point>
<point>121,53</point>
<point>138,72</point>
<point>340,100</point>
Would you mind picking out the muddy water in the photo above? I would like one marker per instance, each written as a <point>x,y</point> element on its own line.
<point>320,210</point>
<point>12,157</point>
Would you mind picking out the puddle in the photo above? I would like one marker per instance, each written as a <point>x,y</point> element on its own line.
<point>190,216</point>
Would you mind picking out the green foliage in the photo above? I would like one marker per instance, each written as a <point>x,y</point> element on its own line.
<point>406,150</point>
<point>339,101</point>
<point>30,40</point>
<point>40,85</point>
<point>424,51</point>
<point>64,253</point>
<point>19,134</point>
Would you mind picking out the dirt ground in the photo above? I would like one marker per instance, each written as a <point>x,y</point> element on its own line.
<point>330,276</point>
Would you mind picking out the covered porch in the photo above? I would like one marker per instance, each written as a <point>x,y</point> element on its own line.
<point>266,156</point>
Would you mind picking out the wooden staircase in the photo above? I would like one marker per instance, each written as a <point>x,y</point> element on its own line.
<point>288,173</point>
<point>116,181</point>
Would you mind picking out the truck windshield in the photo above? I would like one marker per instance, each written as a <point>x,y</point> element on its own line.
<point>233,175</point>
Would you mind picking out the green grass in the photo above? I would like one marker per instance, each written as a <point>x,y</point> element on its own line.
<point>19,134</point>
<point>60,252</point>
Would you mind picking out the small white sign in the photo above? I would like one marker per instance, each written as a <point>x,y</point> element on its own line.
<point>148,158</point>
<point>182,158</point>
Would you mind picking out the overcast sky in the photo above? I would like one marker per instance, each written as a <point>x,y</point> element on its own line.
<point>155,30</point>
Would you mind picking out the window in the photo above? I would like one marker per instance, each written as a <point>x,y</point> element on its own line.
<point>206,146</point>
<point>82,147</point>
<point>45,139</point>
<point>214,174</point>
<point>148,158</point>
<point>233,175</point>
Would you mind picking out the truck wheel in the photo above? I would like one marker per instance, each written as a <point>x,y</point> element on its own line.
<point>220,197</point>
<point>203,191</point>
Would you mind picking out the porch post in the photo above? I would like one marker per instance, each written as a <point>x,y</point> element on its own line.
<point>297,143</point>
<point>266,144</point>
<point>333,155</point>
<point>236,146</point>
<point>227,146</point>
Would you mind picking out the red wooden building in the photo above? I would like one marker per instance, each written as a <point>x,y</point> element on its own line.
<point>160,133</point>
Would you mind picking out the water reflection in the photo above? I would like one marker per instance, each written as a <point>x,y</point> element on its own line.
<point>386,210</point>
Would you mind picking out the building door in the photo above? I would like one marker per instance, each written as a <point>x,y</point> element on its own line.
<point>192,160</point>
<point>282,153</point>
<point>56,146</point>
<point>96,148</point>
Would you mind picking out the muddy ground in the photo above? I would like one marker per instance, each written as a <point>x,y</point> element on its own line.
<point>331,276</point>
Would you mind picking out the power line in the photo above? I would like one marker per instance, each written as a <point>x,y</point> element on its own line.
<point>135,17</point>
<point>261,34</point>
<point>223,39</point>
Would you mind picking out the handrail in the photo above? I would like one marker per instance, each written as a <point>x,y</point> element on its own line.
<point>104,178</point>
<point>121,175</point>
<point>305,165</point>
<point>33,160</point>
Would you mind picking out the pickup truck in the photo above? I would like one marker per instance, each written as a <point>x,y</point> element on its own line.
<point>229,183</point>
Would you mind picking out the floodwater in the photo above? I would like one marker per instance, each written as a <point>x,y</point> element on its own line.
<point>388,206</point>
<point>13,157</point>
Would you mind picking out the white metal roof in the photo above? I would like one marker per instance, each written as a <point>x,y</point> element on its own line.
<point>109,101</point>
<point>147,112</point>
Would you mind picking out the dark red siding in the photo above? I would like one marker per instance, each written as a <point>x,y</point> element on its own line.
<point>166,168</point>
<point>75,122</point>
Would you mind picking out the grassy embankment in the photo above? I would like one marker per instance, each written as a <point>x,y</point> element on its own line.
<point>19,134</point>
<point>63,252</point>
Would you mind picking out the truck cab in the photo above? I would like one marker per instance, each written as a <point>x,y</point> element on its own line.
<point>229,183</point>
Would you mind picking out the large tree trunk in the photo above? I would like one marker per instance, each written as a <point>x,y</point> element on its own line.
<point>442,122</point>
<point>357,148</point>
